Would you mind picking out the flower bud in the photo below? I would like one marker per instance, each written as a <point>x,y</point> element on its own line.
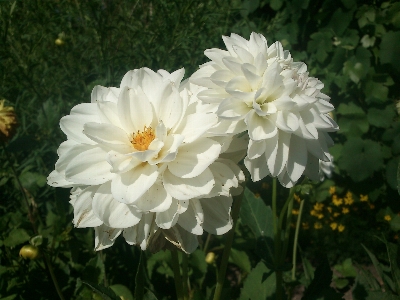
<point>210,258</point>
<point>8,122</point>
<point>29,251</point>
<point>59,42</point>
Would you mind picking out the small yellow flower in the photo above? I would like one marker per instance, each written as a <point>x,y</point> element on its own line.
<point>295,212</point>
<point>257,195</point>
<point>341,228</point>
<point>329,209</point>
<point>334,225</point>
<point>349,198</point>
<point>305,225</point>
<point>345,210</point>
<point>387,218</point>
<point>363,198</point>
<point>318,206</point>
<point>320,216</point>
<point>8,122</point>
<point>317,225</point>
<point>337,201</point>
<point>332,190</point>
<point>371,206</point>
<point>336,214</point>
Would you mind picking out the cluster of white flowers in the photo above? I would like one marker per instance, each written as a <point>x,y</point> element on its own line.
<point>157,159</point>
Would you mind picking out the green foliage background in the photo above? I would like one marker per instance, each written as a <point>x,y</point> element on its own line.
<point>52,54</point>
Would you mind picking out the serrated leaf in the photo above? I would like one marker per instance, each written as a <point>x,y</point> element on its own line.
<point>259,284</point>
<point>16,236</point>
<point>122,291</point>
<point>390,49</point>
<point>241,259</point>
<point>104,292</point>
<point>255,214</point>
<point>361,158</point>
<point>382,118</point>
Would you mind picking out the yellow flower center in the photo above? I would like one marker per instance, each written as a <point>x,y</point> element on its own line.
<point>142,139</point>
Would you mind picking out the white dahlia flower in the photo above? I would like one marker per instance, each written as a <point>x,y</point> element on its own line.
<point>262,90</point>
<point>141,163</point>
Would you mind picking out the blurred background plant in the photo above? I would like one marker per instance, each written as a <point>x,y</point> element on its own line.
<point>54,52</point>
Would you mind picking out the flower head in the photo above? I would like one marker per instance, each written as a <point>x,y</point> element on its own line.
<point>262,90</point>
<point>141,163</point>
<point>8,122</point>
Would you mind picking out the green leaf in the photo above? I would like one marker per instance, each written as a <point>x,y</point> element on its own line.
<point>390,49</point>
<point>350,109</point>
<point>340,21</point>
<point>398,179</point>
<point>374,261</point>
<point>241,259</point>
<point>375,92</point>
<point>259,284</point>
<point>16,236</point>
<point>392,167</point>
<point>276,4</point>
<point>255,214</point>
<point>149,296</point>
<point>249,6</point>
<point>361,158</point>
<point>346,268</point>
<point>104,292</point>
<point>94,270</point>
<point>122,291</point>
<point>394,259</point>
<point>319,287</point>
<point>381,117</point>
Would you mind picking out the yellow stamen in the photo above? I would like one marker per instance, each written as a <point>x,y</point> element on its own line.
<point>142,140</point>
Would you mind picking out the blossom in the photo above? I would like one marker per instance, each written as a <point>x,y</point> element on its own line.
<point>8,122</point>
<point>142,164</point>
<point>262,90</point>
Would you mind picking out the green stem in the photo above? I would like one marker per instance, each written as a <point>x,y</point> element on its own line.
<point>139,280</point>
<point>296,235</point>
<point>237,200</point>
<point>277,243</point>
<point>177,275</point>
<point>53,276</point>
<point>31,219</point>
<point>185,276</point>
<point>207,243</point>
<point>288,222</point>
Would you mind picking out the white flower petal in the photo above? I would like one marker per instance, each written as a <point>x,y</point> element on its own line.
<point>257,167</point>
<point>192,219</point>
<point>192,159</point>
<point>297,159</point>
<point>108,135</point>
<point>259,127</point>
<point>131,185</point>
<point>89,167</point>
<point>155,199</point>
<point>233,109</point>
<point>112,212</point>
<point>168,218</point>
<point>195,125</point>
<point>217,217</point>
<point>83,213</point>
<point>105,237</point>
<point>188,188</point>
<point>257,148</point>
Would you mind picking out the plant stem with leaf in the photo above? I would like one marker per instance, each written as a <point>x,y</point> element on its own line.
<point>237,200</point>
